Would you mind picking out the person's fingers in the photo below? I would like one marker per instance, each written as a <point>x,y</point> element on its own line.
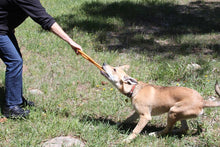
<point>76,47</point>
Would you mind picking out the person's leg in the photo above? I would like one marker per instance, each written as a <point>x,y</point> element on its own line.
<point>11,56</point>
<point>15,43</point>
<point>13,76</point>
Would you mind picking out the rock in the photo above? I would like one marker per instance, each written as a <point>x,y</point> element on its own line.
<point>193,66</point>
<point>104,83</point>
<point>36,91</point>
<point>64,141</point>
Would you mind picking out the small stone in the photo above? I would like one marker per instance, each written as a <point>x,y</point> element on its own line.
<point>36,91</point>
<point>104,83</point>
<point>193,66</point>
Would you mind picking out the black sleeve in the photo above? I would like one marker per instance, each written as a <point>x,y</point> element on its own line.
<point>37,12</point>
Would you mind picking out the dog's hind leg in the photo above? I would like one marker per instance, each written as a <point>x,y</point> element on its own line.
<point>170,123</point>
<point>180,111</point>
<point>172,118</point>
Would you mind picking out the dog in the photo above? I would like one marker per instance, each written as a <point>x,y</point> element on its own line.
<point>148,100</point>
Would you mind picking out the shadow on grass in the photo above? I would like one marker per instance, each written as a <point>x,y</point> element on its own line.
<point>2,96</point>
<point>125,25</point>
<point>123,128</point>
<point>130,127</point>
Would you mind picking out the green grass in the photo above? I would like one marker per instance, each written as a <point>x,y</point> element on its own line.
<point>157,38</point>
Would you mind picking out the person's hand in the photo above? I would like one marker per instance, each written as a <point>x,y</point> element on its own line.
<point>75,47</point>
<point>56,29</point>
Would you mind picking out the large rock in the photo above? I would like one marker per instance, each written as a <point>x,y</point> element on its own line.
<point>64,141</point>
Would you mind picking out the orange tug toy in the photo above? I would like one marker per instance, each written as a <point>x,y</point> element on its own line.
<point>84,55</point>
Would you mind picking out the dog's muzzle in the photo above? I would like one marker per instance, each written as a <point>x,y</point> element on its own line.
<point>103,72</point>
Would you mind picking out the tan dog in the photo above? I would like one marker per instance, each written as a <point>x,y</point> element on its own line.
<point>148,100</point>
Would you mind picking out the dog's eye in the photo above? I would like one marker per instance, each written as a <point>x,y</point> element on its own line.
<point>114,69</point>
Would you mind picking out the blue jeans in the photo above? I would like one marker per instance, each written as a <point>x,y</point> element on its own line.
<point>11,56</point>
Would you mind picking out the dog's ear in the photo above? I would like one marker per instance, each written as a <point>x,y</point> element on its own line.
<point>124,67</point>
<point>129,80</point>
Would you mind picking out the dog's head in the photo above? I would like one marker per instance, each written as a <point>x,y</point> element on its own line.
<point>118,77</point>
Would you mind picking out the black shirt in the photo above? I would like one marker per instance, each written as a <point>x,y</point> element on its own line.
<point>14,12</point>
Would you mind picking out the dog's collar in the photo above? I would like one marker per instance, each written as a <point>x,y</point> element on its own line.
<point>129,94</point>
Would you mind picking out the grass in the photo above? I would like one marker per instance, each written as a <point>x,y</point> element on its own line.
<point>157,38</point>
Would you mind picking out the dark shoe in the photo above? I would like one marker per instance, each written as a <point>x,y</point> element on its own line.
<point>26,103</point>
<point>15,112</point>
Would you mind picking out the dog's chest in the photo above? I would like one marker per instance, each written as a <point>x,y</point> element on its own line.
<point>149,106</point>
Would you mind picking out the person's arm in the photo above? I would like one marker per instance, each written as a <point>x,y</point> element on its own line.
<point>37,12</point>
<point>56,29</point>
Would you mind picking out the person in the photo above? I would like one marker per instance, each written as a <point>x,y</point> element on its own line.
<point>12,14</point>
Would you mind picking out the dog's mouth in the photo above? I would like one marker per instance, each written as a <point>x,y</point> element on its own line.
<point>104,73</point>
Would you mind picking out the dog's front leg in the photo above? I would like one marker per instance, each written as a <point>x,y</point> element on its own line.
<point>144,119</point>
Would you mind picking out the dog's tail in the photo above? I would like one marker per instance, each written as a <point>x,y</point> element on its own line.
<point>208,103</point>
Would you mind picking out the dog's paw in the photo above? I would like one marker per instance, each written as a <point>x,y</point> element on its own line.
<point>129,138</point>
<point>126,141</point>
<point>155,134</point>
